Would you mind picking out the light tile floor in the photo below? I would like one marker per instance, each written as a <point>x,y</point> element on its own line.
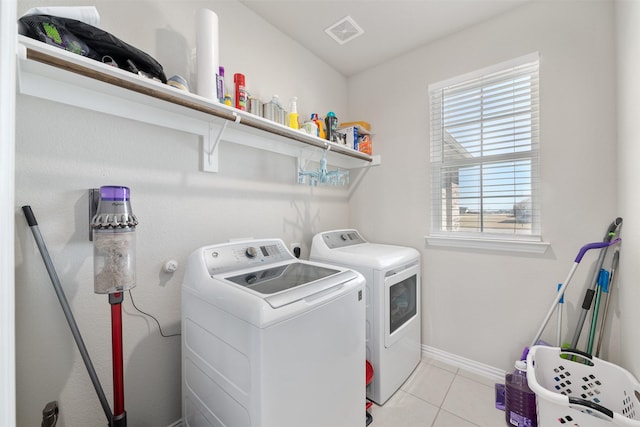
<point>440,395</point>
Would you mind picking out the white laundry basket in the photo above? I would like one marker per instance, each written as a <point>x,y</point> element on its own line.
<point>574,389</point>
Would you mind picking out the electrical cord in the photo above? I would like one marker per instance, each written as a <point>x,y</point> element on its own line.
<point>151,316</point>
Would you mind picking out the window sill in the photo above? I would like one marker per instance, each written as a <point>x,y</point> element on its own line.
<point>522,246</point>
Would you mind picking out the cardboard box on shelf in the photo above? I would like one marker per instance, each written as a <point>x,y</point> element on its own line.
<point>358,136</point>
<point>364,144</point>
<point>351,136</point>
<point>365,125</point>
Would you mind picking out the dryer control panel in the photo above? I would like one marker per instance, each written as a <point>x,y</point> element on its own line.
<point>239,255</point>
<point>341,238</point>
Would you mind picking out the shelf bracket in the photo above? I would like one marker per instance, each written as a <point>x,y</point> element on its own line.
<point>210,148</point>
<point>210,145</point>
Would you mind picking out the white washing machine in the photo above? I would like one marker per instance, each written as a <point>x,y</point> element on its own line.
<point>271,341</point>
<point>392,274</point>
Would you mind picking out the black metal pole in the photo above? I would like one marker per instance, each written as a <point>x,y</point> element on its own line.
<point>588,297</point>
<point>33,224</point>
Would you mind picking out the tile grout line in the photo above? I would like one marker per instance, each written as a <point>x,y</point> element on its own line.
<point>468,379</point>
<point>445,398</point>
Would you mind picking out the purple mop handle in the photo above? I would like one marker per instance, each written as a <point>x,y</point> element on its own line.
<point>560,293</point>
<point>596,245</point>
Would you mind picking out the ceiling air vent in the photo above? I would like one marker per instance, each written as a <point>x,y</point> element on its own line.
<point>344,30</point>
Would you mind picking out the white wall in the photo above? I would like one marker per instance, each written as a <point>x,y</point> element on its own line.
<point>62,151</point>
<point>628,36</point>
<point>7,191</point>
<point>486,306</point>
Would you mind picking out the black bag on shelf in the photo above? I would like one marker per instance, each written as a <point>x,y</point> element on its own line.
<point>87,40</point>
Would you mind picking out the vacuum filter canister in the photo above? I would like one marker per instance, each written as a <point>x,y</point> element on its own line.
<point>114,242</point>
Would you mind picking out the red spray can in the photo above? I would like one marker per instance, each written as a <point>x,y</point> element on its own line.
<point>241,92</point>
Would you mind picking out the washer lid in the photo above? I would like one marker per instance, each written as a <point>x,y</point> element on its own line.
<point>284,284</point>
<point>282,277</point>
<point>348,248</point>
<point>371,255</point>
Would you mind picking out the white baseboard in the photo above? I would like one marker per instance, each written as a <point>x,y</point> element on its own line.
<point>486,371</point>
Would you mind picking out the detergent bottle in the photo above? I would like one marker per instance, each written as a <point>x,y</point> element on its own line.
<point>520,400</point>
<point>332,126</point>
<point>318,122</point>
<point>310,127</point>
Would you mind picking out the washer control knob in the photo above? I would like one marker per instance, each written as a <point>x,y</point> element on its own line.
<point>344,236</point>
<point>251,252</point>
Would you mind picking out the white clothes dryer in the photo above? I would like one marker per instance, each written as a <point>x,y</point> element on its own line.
<point>392,275</point>
<point>271,341</point>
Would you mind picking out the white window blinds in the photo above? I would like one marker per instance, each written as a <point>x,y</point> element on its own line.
<point>484,152</point>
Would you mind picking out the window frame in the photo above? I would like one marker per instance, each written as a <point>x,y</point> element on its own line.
<point>485,239</point>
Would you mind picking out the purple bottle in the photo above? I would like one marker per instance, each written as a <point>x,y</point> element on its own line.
<point>520,401</point>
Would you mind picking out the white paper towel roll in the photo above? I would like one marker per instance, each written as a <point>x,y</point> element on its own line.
<point>207,56</point>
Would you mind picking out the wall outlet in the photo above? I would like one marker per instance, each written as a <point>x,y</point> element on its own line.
<point>295,249</point>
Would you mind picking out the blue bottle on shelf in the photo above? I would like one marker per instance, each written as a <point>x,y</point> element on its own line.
<point>520,400</point>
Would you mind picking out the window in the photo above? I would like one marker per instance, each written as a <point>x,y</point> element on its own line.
<point>484,153</point>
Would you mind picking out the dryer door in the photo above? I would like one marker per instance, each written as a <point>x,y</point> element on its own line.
<point>402,293</point>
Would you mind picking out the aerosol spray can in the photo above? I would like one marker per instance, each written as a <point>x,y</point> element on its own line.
<point>241,92</point>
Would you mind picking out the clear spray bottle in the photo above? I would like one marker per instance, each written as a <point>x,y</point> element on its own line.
<point>293,114</point>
